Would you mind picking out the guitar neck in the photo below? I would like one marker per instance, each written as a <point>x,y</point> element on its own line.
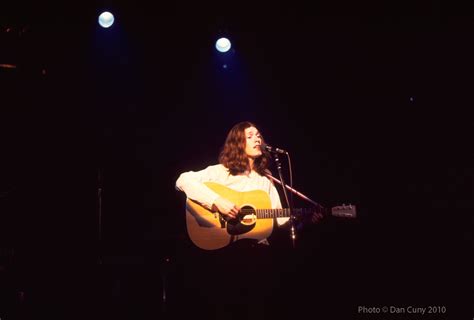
<point>283,213</point>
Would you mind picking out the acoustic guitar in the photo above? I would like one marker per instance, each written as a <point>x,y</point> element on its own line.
<point>210,230</point>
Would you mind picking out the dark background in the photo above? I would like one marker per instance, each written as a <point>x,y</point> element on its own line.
<point>370,99</point>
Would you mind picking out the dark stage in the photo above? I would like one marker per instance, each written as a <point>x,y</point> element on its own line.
<point>369,99</point>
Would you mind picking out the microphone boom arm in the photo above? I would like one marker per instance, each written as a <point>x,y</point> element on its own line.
<point>299,194</point>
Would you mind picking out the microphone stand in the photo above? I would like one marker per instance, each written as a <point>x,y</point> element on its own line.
<point>292,217</point>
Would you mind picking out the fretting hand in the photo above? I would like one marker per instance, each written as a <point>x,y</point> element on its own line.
<point>316,217</point>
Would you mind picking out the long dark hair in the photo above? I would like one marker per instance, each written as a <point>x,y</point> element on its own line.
<point>233,155</point>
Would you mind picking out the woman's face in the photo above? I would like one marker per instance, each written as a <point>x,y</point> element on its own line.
<point>253,142</point>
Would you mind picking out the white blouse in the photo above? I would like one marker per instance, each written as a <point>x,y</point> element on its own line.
<point>192,183</point>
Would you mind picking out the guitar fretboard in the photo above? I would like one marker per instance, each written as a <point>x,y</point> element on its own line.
<point>277,213</point>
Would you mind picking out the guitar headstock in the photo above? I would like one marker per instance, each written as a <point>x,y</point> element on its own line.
<point>344,211</point>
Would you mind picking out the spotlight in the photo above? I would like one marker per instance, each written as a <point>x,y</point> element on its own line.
<point>223,45</point>
<point>106,19</point>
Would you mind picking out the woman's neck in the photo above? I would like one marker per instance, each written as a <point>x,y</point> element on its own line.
<point>251,163</point>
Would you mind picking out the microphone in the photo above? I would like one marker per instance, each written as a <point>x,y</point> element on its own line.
<point>269,148</point>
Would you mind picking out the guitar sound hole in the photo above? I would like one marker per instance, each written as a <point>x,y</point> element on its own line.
<point>243,223</point>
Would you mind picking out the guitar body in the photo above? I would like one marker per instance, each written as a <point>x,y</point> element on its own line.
<point>209,231</point>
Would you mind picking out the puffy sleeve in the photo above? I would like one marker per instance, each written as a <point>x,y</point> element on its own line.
<point>192,184</point>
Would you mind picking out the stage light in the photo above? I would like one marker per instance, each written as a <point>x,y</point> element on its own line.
<point>223,45</point>
<point>106,19</point>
